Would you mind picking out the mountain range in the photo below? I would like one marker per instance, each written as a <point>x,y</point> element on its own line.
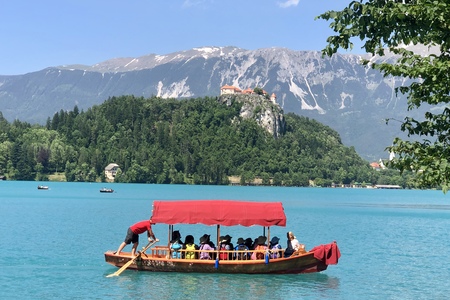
<point>338,91</point>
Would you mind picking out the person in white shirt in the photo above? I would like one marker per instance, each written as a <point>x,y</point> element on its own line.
<point>293,245</point>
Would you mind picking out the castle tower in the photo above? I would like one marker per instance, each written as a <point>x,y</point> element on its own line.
<point>273,98</point>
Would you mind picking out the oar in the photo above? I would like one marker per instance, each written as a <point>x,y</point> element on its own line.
<point>125,266</point>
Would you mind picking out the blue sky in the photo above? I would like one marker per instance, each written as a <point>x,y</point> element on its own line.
<point>39,34</point>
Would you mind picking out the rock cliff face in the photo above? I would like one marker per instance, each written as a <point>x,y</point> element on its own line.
<point>269,115</point>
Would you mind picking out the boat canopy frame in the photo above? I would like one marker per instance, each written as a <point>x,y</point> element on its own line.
<point>218,212</point>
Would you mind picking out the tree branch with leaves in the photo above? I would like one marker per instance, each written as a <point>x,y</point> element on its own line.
<point>392,25</point>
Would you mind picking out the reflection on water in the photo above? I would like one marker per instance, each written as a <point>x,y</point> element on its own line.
<point>229,286</point>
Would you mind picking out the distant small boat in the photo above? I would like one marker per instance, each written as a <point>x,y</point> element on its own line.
<point>42,187</point>
<point>106,190</point>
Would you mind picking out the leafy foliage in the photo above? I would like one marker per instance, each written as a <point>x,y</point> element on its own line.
<point>392,24</point>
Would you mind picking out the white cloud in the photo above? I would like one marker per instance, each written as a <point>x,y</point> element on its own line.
<point>288,3</point>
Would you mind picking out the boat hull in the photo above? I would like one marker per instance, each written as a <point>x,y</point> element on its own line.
<point>305,263</point>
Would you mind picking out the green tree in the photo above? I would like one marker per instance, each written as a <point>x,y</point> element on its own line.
<point>265,178</point>
<point>57,155</point>
<point>278,179</point>
<point>69,171</point>
<point>258,90</point>
<point>247,178</point>
<point>299,180</point>
<point>5,155</point>
<point>389,25</point>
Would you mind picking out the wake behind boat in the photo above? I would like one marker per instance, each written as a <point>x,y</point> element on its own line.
<point>226,213</point>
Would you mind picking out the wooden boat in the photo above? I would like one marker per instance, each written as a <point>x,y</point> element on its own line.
<point>42,187</point>
<point>106,190</point>
<point>226,213</point>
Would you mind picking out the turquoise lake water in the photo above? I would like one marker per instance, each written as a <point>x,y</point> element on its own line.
<point>394,243</point>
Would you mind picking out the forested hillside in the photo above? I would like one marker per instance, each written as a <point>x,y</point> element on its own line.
<point>198,141</point>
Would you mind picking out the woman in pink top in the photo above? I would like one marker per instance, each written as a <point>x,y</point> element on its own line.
<point>133,235</point>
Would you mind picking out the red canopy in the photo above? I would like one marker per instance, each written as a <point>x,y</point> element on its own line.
<point>219,212</point>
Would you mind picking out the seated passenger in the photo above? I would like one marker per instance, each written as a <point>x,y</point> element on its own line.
<point>254,244</point>
<point>241,250</point>
<point>249,243</point>
<point>224,247</point>
<point>293,246</point>
<point>190,248</point>
<point>204,245</point>
<point>230,246</point>
<point>176,244</point>
<point>260,248</point>
<point>275,248</point>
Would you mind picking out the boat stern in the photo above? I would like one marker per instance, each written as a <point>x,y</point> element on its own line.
<point>118,260</point>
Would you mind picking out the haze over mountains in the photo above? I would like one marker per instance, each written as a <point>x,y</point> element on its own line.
<point>337,91</point>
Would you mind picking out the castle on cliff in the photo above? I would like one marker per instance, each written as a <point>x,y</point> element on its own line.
<point>229,89</point>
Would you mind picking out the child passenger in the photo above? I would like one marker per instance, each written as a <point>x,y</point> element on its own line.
<point>176,244</point>
<point>190,248</point>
